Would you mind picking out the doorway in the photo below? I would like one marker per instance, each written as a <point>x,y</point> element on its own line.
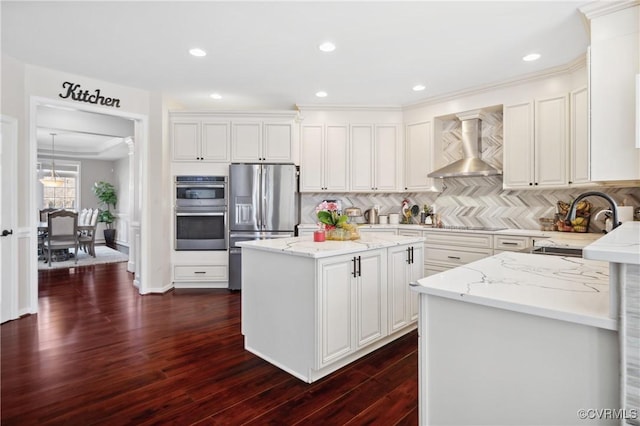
<point>136,145</point>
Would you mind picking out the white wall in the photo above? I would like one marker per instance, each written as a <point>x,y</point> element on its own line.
<point>23,84</point>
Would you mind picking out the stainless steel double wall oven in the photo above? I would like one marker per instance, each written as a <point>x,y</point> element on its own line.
<point>200,213</point>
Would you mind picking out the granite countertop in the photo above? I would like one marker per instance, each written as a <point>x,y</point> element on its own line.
<point>562,288</point>
<point>305,246</point>
<point>622,245</point>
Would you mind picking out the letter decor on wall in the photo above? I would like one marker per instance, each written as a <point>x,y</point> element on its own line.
<point>74,92</point>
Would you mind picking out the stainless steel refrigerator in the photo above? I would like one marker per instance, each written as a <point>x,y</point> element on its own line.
<point>263,203</point>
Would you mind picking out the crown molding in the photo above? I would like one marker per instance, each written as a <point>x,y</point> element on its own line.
<point>568,68</point>
<point>373,108</point>
<point>600,8</point>
<point>235,114</point>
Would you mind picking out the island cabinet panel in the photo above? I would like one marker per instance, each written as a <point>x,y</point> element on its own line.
<point>311,313</point>
<point>352,303</point>
<point>405,266</point>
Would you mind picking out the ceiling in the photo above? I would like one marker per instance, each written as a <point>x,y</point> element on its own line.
<point>264,55</point>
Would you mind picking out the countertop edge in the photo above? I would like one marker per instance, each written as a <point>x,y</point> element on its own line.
<point>605,323</point>
<point>622,245</point>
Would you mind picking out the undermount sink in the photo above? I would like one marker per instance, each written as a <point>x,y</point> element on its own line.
<point>558,251</point>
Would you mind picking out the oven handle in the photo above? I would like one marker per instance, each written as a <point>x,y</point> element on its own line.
<point>201,185</point>
<point>200,214</point>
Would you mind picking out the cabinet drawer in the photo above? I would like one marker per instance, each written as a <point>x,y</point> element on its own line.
<point>510,243</point>
<point>455,257</point>
<point>200,273</point>
<point>458,239</point>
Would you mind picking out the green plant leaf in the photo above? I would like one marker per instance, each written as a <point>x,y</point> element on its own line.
<point>325,217</point>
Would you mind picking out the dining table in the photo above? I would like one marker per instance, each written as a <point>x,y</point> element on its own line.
<point>63,254</point>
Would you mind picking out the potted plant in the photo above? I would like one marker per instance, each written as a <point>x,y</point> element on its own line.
<point>106,194</point>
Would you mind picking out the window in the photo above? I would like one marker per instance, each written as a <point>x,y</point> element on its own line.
<point>65,196</point>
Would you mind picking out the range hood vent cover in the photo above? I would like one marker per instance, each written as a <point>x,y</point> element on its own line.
<point>471,164</point>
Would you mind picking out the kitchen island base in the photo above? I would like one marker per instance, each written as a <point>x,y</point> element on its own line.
<point>311,315</point>
<point>485,365</point>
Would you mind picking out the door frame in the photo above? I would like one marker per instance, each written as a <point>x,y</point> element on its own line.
<point>138,211</point>
<point>9,309</point>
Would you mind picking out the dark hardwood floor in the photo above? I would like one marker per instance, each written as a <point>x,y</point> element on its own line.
<point>99,353</point>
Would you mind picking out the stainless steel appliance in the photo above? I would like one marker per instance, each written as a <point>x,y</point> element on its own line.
<point>263,204</point>
<point>200,213</point>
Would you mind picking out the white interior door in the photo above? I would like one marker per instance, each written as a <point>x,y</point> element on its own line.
<point>8,215</point>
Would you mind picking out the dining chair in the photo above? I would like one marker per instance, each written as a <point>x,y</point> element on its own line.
<point>62,233</point>
<point>87,238</point>
<point>42,233</point>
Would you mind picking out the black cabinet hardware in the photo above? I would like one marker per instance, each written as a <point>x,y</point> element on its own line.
<point>6,233</point>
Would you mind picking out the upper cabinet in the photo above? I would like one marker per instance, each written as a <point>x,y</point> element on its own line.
<point>261,141</point>
<point>418,159</point>
<point>579,138</point>
<point>375,156</point>
<point>614,64</point>
<point>324,157</point>
<point>198,139</point>
<point>232,137</point>
<point>536,143</point>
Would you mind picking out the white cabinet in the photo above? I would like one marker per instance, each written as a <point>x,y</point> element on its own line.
<point>324,157</point>
<point>375,154</point>
<point>614,64</point>
<point>261,141</point>
<point>405,266</point>
<point>536,142</point>
<point>352,303</point>
<point>510,243</point>
<point>198,139</point>
<point>446,250</point>
<point>579,145</point>
<point>418,160</point>
<point>200,269</point>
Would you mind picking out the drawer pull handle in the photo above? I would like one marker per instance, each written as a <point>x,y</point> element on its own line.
<point>507,243</point>
<point>200,272</point>
<point>454,257</point>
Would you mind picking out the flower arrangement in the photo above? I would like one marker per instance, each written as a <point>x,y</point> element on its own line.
<point>335,223</point>
<point>329,214</point>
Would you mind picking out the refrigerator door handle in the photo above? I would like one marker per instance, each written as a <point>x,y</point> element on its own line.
<point>263,191</point>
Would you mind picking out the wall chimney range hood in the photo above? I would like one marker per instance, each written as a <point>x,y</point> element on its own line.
<point>471,165</point>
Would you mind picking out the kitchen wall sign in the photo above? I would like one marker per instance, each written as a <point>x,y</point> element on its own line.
<point>75,92</point>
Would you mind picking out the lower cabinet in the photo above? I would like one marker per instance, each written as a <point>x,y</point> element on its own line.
<point>405,266</point>
<point>352,303</point>
<point>200,269</point>
<point>311,316</point>
<point>448,250</point>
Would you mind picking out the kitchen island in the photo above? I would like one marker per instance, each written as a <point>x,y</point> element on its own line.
<point>517,339</point>
<point>311,308</point>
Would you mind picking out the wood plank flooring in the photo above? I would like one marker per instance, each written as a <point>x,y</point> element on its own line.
<point>99,353</point>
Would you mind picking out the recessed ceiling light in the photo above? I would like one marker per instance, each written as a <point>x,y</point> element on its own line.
<point>321,94</point>
<point>531,57</point>
<point>419,87</point>
<point>215,96</point>
<point>327,46</point>
<point>197,52</point>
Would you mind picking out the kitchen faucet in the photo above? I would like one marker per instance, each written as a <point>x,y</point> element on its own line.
<point>571,215</point>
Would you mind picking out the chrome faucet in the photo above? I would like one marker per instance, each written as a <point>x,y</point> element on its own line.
<point>571,215</point>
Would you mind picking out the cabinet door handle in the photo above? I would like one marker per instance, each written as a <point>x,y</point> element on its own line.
<point>453,257</point>
<point>359,266</point>
<point>412,255</point>
<point>354,273</point>
<point>408,255</point>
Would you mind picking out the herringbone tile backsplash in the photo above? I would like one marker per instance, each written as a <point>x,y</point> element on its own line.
<point>479,201</point>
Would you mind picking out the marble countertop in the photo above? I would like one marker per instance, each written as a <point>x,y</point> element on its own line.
<point>570,239</point>
<point>622,245</point>
<point>305,246</point>
<point>562,288</point>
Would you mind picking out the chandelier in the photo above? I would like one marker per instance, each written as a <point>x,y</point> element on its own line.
<point>52,180</point>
